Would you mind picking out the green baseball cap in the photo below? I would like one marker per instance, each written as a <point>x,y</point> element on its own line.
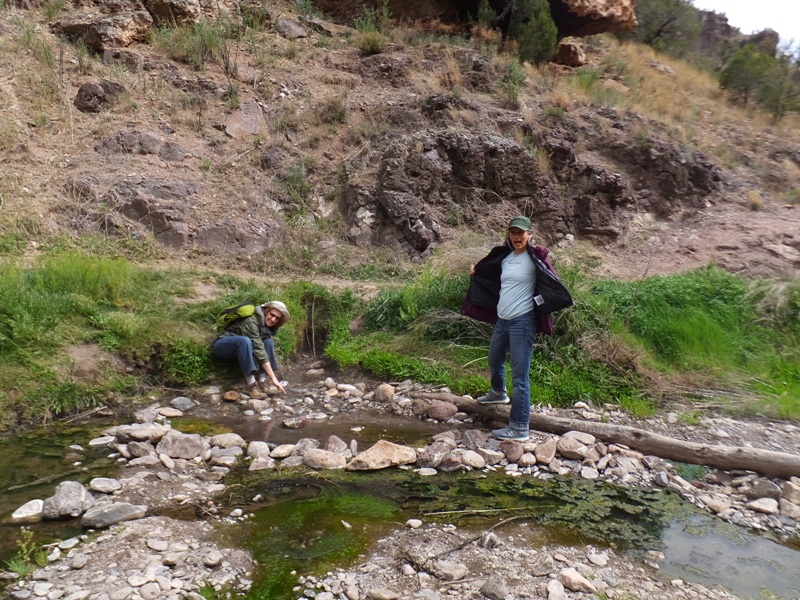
<point>520,222</point>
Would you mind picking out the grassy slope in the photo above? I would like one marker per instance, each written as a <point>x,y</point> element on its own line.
<point>140,314</point>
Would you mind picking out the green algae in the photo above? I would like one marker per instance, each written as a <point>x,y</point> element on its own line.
<point>313,535</point>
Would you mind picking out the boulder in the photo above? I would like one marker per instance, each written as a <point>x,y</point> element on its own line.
<point>105,515</point>
<point>442,411</point>
<point>30,512</point>
<point>381,455</point>
<point>316,458</point>
<point>71,499</point>
<point>433,454</point>
<point>182,445</point>
<point>228,440</point>
<point>101,31</point>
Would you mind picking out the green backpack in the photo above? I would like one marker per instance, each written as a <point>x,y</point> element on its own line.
<point>231,314</point>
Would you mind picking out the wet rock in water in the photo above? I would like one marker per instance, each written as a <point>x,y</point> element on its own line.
<point>282,451</point>
<point>30,512</point>
<point>71,499</point>
<point>433,455</point>
<point>381,455</point>
<point>317,458</point>
<point>338,445</point>
<point>294,422</point>
<point>138,432</point>
<point>185,404</point>
<point>228,440</point>
<point>182,445</point>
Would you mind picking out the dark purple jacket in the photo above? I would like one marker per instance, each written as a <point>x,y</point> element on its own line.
<point>484,288</point>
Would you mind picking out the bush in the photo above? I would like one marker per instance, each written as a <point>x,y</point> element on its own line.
<point>371,42</point>
<point>186,362</point>
<point>533,28</point>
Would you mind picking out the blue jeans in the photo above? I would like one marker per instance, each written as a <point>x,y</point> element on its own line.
<point>514,337</point>
<point>269,348</point>
<point>236,346</point>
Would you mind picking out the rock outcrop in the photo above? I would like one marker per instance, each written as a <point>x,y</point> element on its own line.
<point>572,17</point>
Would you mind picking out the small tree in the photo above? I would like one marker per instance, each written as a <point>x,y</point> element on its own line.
<point>747,72</point>
<point>533,28</point>
<point>780,92</point>
<point>669,26</point>
<point>486,14</point>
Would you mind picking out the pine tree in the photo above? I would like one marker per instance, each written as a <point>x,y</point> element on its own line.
<point>533,28</point>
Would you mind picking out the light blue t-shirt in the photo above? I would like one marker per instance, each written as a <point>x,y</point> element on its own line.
<point>517,280</point>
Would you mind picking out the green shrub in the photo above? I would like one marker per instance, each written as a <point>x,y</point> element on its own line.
<point>371,42</point>
<point>186,362</point>
<point>511,83</point>
<point>533,28</point>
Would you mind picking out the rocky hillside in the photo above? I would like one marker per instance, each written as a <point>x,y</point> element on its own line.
<point>263,138</point>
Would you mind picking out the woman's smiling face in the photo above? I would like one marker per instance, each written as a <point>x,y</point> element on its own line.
<point>272,318</point>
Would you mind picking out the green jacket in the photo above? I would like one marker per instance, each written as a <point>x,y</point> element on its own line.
<point>254,328</point>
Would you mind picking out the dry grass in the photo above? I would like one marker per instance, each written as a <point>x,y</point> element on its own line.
<point>451,77</point>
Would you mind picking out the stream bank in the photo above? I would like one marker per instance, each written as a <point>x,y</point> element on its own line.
<point>206,489</point>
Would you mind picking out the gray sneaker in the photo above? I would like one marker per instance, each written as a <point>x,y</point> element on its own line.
<point>509,433</point>
<point>494,398</point>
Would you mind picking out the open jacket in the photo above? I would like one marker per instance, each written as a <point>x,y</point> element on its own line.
<point>484,289</point>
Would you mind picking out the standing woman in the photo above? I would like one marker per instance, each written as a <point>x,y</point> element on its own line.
<point>506,279</point>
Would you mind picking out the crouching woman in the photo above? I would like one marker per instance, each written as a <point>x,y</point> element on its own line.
<point>249,340</point>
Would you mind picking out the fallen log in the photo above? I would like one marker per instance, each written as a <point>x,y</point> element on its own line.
<point>768,462</point>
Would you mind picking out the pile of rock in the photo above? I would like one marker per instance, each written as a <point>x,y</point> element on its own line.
<point>155,557</point>
<point>433,562</point>
<point>171,468</point>
<point>741,497</point>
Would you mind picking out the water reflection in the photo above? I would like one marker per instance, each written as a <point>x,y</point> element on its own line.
<point>703,549</point>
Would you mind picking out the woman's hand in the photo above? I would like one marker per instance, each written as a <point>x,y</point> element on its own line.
<point>271,374</point>
<point>472,270</point>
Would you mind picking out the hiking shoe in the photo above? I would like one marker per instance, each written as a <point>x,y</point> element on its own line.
<point>254,391</point>
<point>494,398</point>
<point>509,433</point>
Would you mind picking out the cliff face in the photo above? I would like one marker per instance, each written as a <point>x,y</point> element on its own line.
<point>572,17</point>
<point>720,38</point>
